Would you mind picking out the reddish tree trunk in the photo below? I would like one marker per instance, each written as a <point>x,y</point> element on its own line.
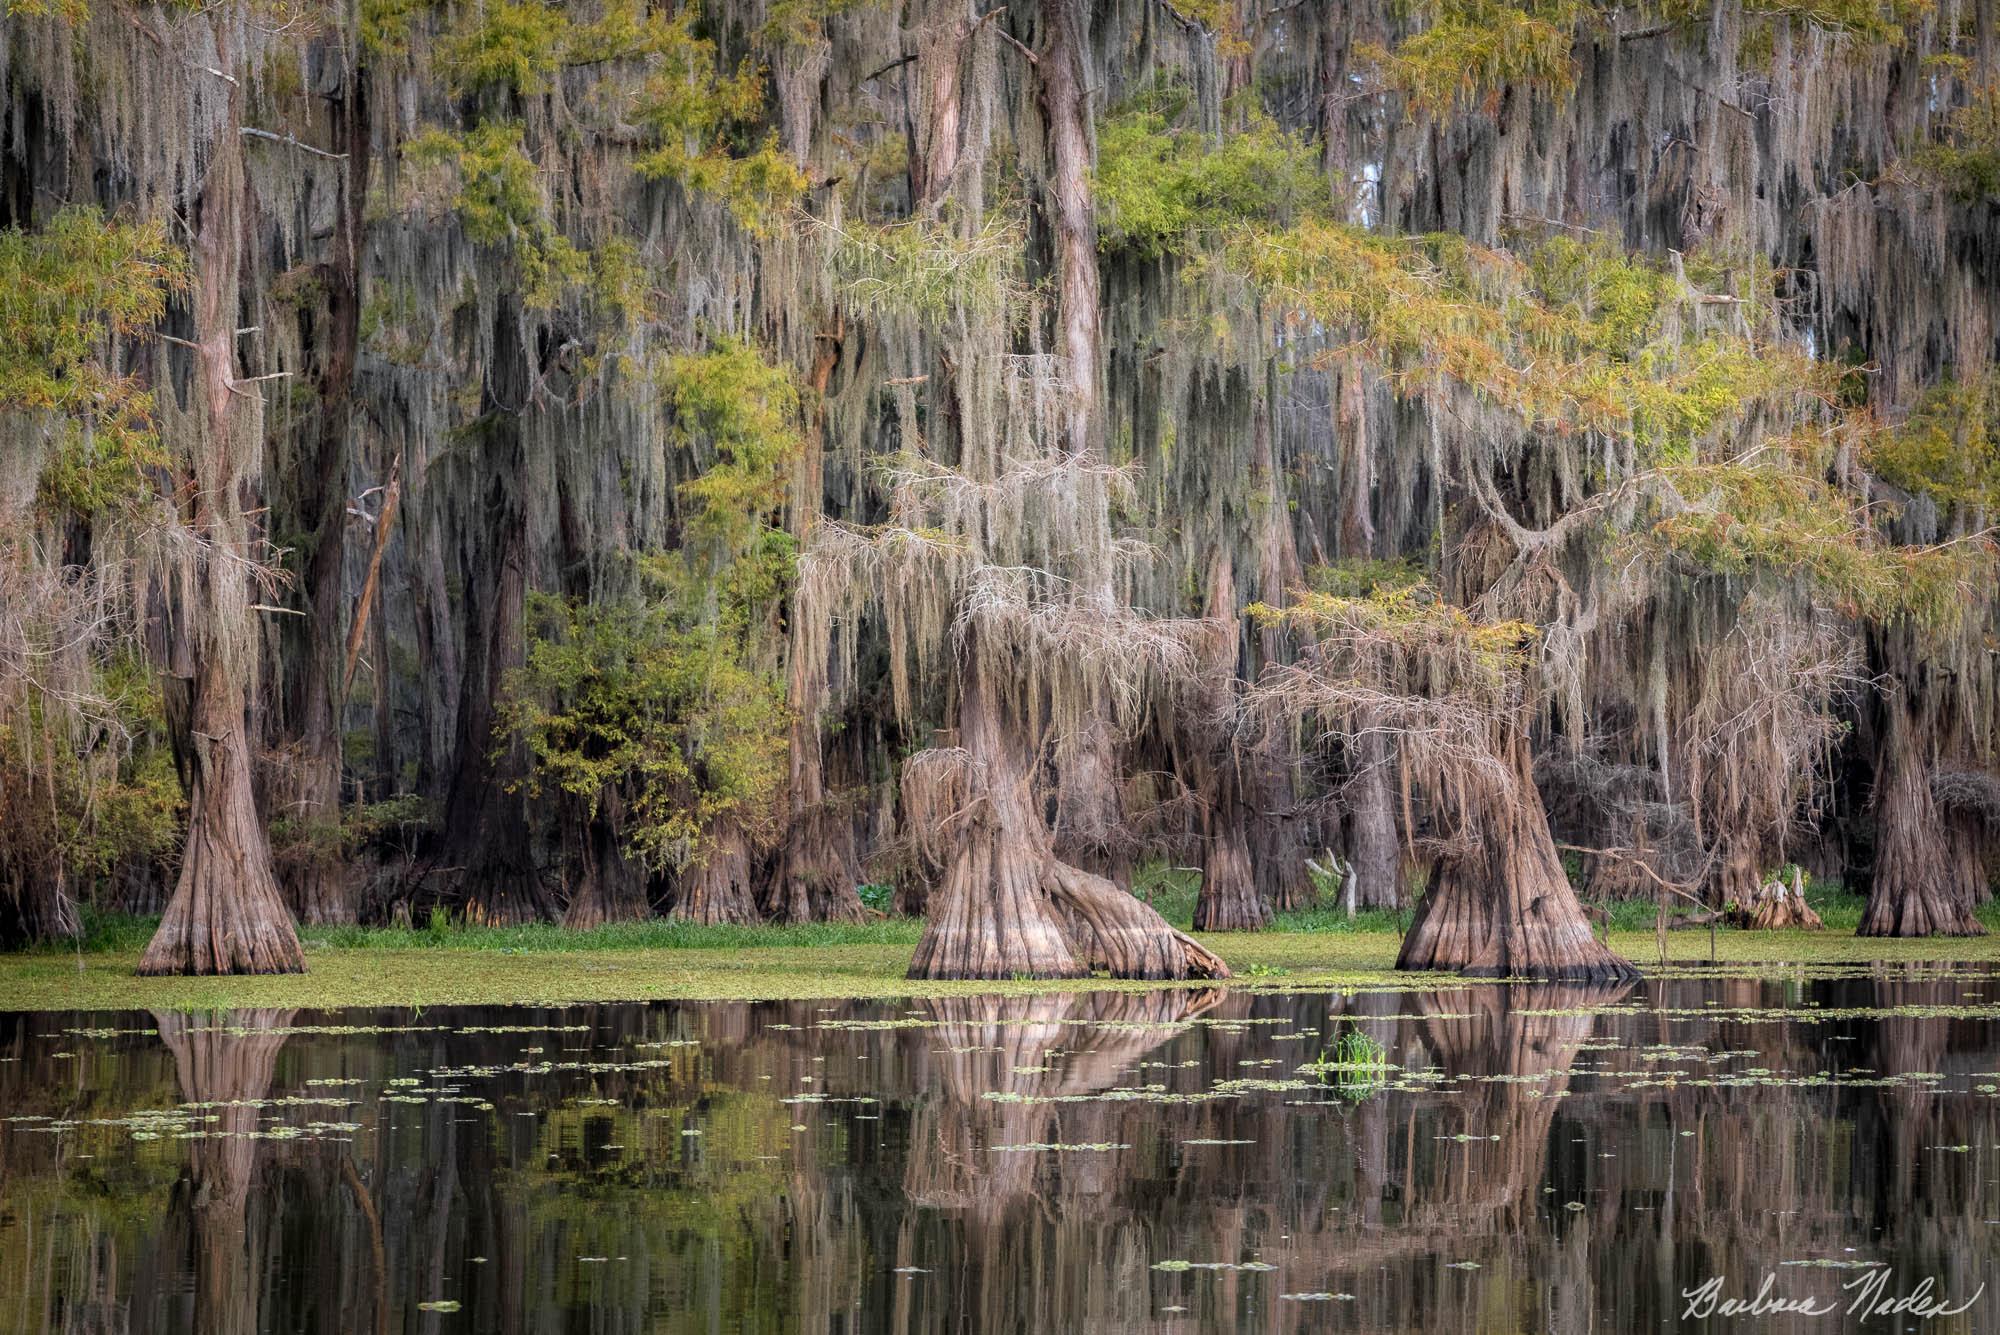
<point>1737,875</point>
<point>940,63</point>
<point>818,868</point>
<point>719,889</point>
<point>485,847</point>
<point>610,886</point>
<point>1228,901</point>
<point>1006,906</point>
<point>1505,909</point>
<point>1372,847</point>
<point>1917,889</point>
<point>1064,68</point>
<point>226,914</point>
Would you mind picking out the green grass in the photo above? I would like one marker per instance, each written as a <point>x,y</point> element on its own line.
<point>469,966</point>
<point>126,933</point>
<point>446,962</point>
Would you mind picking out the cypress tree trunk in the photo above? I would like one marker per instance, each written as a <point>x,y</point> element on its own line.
<point>1505,909</point>
<point>1006,907</point>
<point>226,914</point>
<point>1737,875</point>
<point>1090,824</point>
<point>718,889</point>
<point>610,886</point>
<point>1917,890</point>
<point>486,851</point>
<point>315,886</point>
<point>1228,901</point>
<point>1372,846</point>
<point>818,866</point>
<point>1275,835</point>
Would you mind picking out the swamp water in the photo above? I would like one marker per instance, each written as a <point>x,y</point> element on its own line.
<point>1525,1158</point>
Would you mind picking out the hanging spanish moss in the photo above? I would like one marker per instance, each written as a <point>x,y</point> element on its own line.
<point>590,460</point>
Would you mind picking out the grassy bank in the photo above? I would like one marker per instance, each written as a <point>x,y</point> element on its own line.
<point>450,963</point>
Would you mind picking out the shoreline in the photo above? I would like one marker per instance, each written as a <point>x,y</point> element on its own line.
<point>459,970</point>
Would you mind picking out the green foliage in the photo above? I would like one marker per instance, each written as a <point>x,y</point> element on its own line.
<point>1218,17</point>
<point>496,192</point>
<point>69,11</point>
<point>927,269</point>
<point>1356,1066</point>
<point>1472,50</point>
<point>702,120</point>
<point>386,25</point>
<point>84,810</point>
<point>519,44</point>
<point>659,703</point>
<point>67,293</point>
<point>1571,336</point>
<point>1967,160</point>
<point>1744,517</point>
<point>1873,22</point>
<point>1163,187</point>
<point>522,45</point>
<point>1949,449</point>
<point>655,708</point>
<point>799,22</point>
<point>741,414</point>
<point>1413,621</point>
<point>1362,577</point>
<point>1476,48</point>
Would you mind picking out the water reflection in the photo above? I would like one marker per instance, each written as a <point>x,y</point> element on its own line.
<point>1537,1158</point>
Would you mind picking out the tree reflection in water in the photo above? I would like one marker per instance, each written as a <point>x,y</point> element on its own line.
<point>1538,1157</point>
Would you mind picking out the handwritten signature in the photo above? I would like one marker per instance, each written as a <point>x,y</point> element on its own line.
<point>1869,1290</point>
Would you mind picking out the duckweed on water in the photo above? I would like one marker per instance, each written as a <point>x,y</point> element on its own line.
<point>360,967</point>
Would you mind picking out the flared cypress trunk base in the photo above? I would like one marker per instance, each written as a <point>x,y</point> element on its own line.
<point>1229,901</point>
<point>818,871</point>
<point>226,915</point>
<point>1900,904</point>
<point>718,890</point>
<point>1918,888</point>
<point>1506,910</point>
<point>1007,907</point>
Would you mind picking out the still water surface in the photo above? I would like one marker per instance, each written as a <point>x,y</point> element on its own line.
<point>1531,1159</point>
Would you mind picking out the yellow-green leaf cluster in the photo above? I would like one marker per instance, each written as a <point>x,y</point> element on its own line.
<point>1748,517</point>
<point>701,122</point>
<point>741,413</point>
<point>1570,336</point>
<point>1476,48</point>
<point>496,191</point>
<point>67,293</point>
<point>641,703</point>
<point>1949,448</point>
<point>1162,186</point>
<point>1966,160</point>
<point>1414,620</point>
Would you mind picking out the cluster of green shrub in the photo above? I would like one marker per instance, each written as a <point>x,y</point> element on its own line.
<point>664,700</point>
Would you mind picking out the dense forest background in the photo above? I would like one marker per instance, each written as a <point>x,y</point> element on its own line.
<point>588,461</point>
